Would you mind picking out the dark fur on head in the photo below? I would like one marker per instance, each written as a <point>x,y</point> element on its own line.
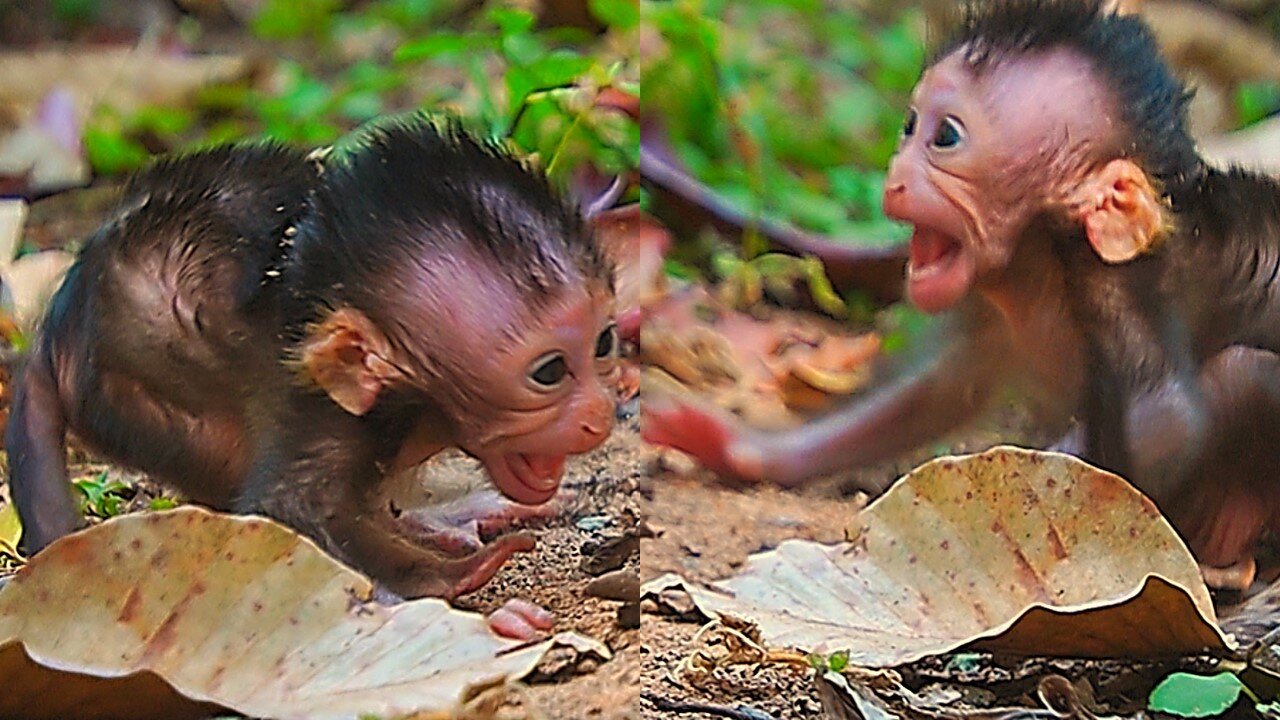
<point>1152,102</point>
<point>407,192</point>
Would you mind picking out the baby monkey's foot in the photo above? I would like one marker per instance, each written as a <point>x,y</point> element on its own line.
<point>516,619</point>
<point>520,620</point>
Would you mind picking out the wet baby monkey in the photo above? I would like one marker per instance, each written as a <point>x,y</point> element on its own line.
<point>1064,221</point>
<point>271,332</point>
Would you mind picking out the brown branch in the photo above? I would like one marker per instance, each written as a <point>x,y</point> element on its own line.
<point>681,200</point>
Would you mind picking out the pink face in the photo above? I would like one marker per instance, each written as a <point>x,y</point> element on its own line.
<point>522,383</point>
<point>981,155</point>
<point>556,397</point>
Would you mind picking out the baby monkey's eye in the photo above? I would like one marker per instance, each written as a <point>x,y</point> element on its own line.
<point>607,343</point>
<point>909,125</point>
<point>950,133</point>
<point>549,370</point>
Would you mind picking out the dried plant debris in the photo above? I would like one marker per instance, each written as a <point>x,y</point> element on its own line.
<point>774,372</point>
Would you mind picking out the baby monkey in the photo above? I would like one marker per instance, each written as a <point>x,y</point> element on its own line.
<point>275,333</point>
<point>1064,219</point>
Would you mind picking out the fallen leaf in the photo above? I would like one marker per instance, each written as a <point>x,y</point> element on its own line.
<point>126,78</point>
<point>1256,147</point>
<point>13,217</point>
<point>27,285</point>
<point>167,614</point>
<point>772,372</point>
<point>1012,550</point>
<point>46,150</point>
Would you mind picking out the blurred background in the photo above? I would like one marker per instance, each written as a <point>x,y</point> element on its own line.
<point>90,89</point>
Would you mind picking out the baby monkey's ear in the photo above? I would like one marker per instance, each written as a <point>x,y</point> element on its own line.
<point>1121,211</point>
<point>349,357</point>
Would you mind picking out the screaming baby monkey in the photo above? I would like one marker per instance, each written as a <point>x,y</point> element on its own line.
<point>1082,248</point>
<point>276,334</point>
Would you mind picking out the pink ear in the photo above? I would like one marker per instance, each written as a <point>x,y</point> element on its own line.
<point>343,355</point>
<point>1121,212</point>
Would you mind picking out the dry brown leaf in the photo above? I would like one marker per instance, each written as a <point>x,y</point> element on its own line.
<point>44,161</point>
<point>1192,34</point>
<point>27,285</point>
<point>151,615</point>
<point>13,217</point>
<point>1016,550</point>
<point>772,372</point>
<point>126,78</point>
<point>838,365</point>
<point>1256,147</point>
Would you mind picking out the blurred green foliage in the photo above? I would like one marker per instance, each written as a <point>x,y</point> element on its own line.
<point>77,12</point>
<point>789,109</point>
<point>1255,101</point>
<point>489,63</point>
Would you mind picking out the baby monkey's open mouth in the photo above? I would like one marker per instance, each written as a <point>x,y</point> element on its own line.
<point>526,477</point>
<point>931,252</point>
<point>939,270</point>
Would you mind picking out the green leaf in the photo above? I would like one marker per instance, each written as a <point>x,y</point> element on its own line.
<point>619,14</point>
<point>289,19</point>
<point>511,21</point>
<point>162,503</point>
<point>1195,696</point>
<point>165,122</point>
<point>1255,101</point>
<point>772,264</point>
<point>439,44</point>
<point>102,496</point>
<point>725,264</point>
<point>361,105</point>
<point>963,662</point>
<point>839,661</point>
<point>19,340</point>
<point>522,49</point>
<point>110,152</point>
<point>77,11</point>
<point>10,529</point>
<point>679,270</point>
<point>558,68</point>
<point>835,662</point>
<point>520,84</point>
<point>411,14</point>
<point>903,328</point>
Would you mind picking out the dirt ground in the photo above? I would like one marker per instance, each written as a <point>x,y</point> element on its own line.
<point>596,534</point>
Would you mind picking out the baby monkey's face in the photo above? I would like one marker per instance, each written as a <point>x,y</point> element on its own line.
<point>517,368</point>
<point>539,384</point>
